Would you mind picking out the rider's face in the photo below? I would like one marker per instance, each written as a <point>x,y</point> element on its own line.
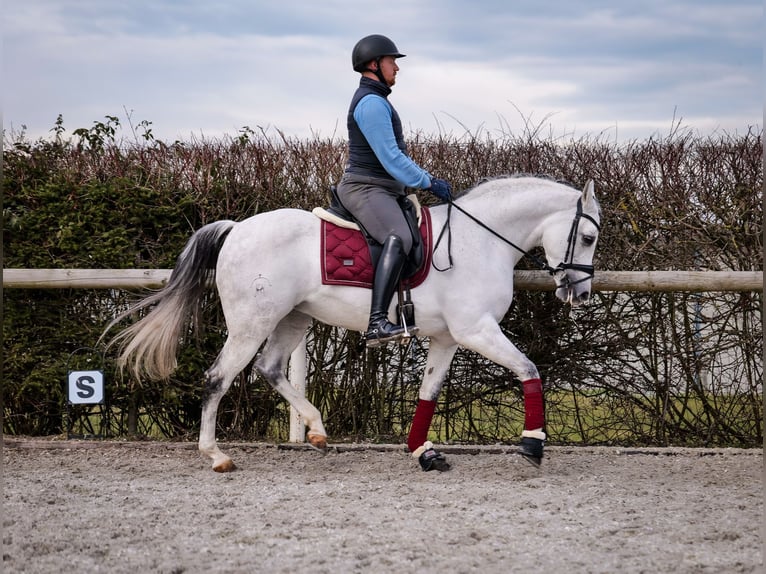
<point>388,68</point>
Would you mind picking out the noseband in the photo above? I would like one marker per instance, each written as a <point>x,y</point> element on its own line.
<point>565,265</point>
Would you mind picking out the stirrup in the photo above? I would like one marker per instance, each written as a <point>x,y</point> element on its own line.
<point>406,312</point>
<point>409,332</point>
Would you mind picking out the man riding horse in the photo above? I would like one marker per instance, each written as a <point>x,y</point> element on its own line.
<point>375,177</point>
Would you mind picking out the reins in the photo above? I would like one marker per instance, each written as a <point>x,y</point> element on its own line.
<point>563,266</point>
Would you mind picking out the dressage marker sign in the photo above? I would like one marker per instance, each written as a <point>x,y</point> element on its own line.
<point>86,388</point>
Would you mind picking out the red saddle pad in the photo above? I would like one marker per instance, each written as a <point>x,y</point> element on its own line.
<point>346,256</point>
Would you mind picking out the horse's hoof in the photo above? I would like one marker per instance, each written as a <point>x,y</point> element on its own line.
<point>433,460</point>
<point>225,466</point>
<point>318,441</point>
<point>532,450</point>
<point>535,461</point>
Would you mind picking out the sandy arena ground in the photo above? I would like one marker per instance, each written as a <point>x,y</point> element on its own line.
<point>134,507</point>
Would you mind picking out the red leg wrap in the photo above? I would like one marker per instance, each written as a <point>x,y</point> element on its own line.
<point>421,422</point>
<point>534,417</point>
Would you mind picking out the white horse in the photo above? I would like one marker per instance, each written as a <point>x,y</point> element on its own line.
<point>267,273</point>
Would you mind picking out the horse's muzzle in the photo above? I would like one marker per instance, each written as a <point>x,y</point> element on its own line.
<point>571,296</point>
<point>573,292</point>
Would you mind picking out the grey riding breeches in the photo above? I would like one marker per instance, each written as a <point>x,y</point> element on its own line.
<point>373,202</point>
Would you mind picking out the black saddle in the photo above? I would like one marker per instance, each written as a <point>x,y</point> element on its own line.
<point>416,256</point>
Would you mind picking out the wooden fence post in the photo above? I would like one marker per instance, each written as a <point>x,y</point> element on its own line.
<point>298,372</point>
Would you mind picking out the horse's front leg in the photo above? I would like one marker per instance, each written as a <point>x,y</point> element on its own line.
<point>487,338</point>
<point>440,353</point>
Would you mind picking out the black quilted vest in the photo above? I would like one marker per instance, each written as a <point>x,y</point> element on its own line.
<point>361,158</point>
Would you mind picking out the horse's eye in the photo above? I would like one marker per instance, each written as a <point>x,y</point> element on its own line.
<point>588,239</point>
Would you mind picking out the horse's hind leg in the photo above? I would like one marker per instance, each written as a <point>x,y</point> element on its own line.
<point>272,364</point>
<point>237,352</point>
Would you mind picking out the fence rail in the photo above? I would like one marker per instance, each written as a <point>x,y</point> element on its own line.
<point>694,281</point>
<point>690,281</point>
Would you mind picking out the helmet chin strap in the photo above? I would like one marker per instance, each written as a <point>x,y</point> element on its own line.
<point>378,72</point>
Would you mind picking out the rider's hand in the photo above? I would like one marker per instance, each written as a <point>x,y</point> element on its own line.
<point>441,189</point>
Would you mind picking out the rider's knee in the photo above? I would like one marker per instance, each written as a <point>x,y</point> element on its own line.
<point>402,243</point>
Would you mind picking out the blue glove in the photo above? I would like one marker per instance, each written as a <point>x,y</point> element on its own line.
<point>441,189</point>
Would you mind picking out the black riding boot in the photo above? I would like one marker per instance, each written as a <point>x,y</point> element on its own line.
<point>387,272</point>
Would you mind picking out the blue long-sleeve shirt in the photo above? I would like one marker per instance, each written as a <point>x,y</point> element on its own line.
<point>373,116</point>
<point>375,139</point>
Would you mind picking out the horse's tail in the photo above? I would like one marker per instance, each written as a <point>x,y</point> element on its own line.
<point>149,346</point>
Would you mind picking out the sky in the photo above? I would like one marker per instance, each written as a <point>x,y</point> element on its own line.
<point>617,70</point>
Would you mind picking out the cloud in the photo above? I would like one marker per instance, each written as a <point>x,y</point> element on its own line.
<point>212,68</point>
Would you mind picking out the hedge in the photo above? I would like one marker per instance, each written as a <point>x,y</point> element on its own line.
<point>631,368</point>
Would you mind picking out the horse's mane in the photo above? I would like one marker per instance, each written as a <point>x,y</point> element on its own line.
<point>485,180</point>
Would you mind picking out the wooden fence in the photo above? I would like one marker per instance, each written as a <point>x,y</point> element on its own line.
<point>668,281</point>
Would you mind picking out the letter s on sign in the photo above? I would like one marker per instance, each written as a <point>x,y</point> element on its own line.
<point>85,385</point>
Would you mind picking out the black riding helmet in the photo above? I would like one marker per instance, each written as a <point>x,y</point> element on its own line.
<point>373,47</point>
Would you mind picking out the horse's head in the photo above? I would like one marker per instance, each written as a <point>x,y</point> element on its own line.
<point>570,246</point>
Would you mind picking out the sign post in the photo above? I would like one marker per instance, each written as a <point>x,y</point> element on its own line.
<point>86,388</point>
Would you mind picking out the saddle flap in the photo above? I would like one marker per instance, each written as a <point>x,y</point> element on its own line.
<point>346,256</point>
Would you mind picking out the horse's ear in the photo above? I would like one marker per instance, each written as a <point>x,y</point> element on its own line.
<point>589,192</point>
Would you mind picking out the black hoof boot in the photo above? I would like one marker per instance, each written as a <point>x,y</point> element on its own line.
<point>532,450</point>
<point>432,459</point>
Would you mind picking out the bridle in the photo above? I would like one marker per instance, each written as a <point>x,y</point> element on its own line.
<point>568,262</point>
<point>565,265</point>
